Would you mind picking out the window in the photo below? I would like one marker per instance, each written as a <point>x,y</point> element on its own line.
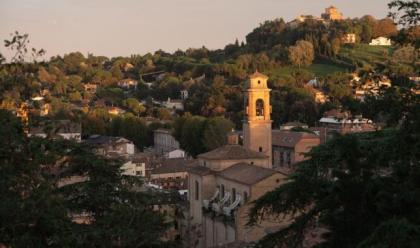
<point>139,173</point>
<point>259,82</point>
<point>260,149</point>
<point>222,191</point>
<point>252,162</point>
<point>196,191</point>
<point>288,159</point>
<point>259,107</point>
<point>245,196</point>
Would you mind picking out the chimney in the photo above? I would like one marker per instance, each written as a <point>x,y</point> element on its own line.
<point>233,138</point>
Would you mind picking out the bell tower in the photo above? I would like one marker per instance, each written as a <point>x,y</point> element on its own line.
<point>257,120</point>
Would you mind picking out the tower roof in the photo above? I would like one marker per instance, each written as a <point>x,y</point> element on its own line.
<point>257,74</point>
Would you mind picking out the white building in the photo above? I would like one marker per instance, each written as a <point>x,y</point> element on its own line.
<point>177,153</point>
<point>380,41</point>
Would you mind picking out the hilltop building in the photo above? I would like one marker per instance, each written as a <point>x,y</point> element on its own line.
<point>332,14</point>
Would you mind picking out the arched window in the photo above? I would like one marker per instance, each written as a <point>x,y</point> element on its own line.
<point>196,191</point>
<point>259,107</point>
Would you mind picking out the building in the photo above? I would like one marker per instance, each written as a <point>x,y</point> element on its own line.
<point>164,142</point>
<point>111,146</point>
<point>65,129</point>
<point>226,180</point>
<point>380,41</point>
<point>90,88</point>
<point>338,122</point>
<point>127,83</point>
<point>135,165</point>
<point>184,94</point>
<point>172,173</point>
<point>332,14</point>
<point>173,104</point>
<point>349,38</point>
<point>220,201</point>
<point>289,148</point>
<point>115,111</point>
<point>257,122</point>
<point>177,153</point>
<point>303,18</point>
<point>290,125</point>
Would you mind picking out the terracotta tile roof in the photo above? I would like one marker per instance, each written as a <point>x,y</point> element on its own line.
<point>290,138</point>
<point>174,165</point>
<point>230,152</point>
<point>257,74</point>
<point>200,170</point>
<point>246,174</point>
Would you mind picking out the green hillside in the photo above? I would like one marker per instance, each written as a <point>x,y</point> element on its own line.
<point>364,54</point>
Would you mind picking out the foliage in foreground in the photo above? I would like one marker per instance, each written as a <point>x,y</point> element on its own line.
<point>35,212</point>
<point>363,188</point>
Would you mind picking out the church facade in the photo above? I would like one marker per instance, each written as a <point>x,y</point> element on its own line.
<point>228,179</point>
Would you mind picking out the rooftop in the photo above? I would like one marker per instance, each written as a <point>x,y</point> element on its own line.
<point>289,138</point>
<point>174,165</point>
<point>230,152</point>
<point>258,74</point>
<point>247,174</point>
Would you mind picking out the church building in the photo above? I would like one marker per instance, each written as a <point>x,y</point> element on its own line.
<point>228,179</point>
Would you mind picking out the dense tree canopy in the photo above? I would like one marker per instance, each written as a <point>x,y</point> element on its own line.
<point>37,206</point>
<point>362,188</point>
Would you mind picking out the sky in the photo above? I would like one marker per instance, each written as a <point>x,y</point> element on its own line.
<point>125,27</point>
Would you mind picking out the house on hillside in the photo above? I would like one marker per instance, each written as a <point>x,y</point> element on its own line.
<point>111,146</point>
<point>173,104</point>
<point>380,41</point>
<point>349,38</point>
<point>115,111</point>
<point>127,83</point>
<point>90,88</point>
<point>65,129</point>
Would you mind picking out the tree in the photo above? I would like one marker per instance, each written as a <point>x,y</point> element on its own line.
<point>302,53</point>
<point>361,188</point>
<point>405,12</point>
<point>385,27</point>
<point>38,210</point>
<point>134,105</point>
<point>215,132</point>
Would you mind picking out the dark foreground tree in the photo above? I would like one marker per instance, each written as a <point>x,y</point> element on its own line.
<point>57,193</point>
<point>363,189</point>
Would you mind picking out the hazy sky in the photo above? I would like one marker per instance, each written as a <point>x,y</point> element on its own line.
<point>124,27</point>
